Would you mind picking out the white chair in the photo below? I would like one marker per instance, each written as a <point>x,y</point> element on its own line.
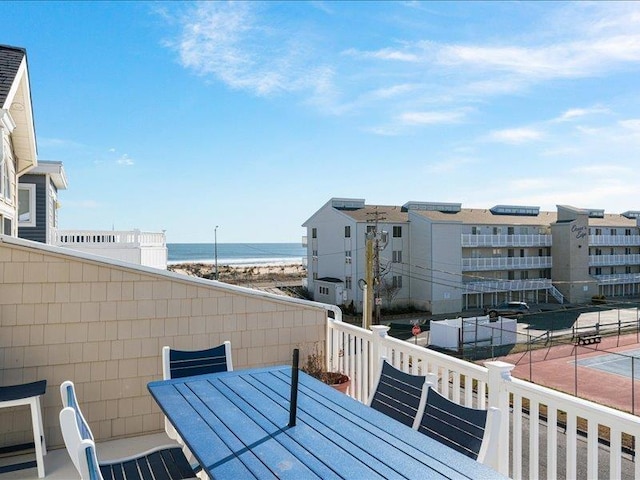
<point>472,432</point>
<point>167,462</point>
<point>187,363</point>
<point>27,394</point>
<point>398,394</point>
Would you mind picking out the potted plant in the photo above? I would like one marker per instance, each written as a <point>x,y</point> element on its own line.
<point>314,365</point>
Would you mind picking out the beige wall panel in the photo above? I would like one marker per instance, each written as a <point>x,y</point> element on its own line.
<point>72,316</point>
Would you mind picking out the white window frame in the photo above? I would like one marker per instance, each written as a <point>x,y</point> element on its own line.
<point>31,187</point>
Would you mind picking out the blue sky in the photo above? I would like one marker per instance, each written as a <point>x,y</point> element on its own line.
<point>183,116</point>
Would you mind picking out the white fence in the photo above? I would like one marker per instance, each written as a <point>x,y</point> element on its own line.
<point>356,352</point>
<point>134,246</point>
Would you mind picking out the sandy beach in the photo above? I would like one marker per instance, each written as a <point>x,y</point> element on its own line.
<point>243,274</point>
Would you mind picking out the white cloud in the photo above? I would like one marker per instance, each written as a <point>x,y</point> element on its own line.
<point>125,160</point>
<point>574,113</point>
<point>450,165</point>
<point>383,54</point>
<point>599,171</point>
<point>631,124</point>
<point>232,42</point>
<point>515,135</point>
<point>430,118</point>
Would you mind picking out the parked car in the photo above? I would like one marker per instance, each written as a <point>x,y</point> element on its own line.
<point>508,309</point>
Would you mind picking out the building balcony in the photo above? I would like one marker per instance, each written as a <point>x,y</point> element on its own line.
<point>102,323</point>
<point>504,263</point>
<point>612,260</point>
<point>491,286</point>
<point>618,279</point>
<point>470,240</point>
<point>614,240</point>
<point>142,248</point>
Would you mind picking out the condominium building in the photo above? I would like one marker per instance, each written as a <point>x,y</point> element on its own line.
<point>444,258</point>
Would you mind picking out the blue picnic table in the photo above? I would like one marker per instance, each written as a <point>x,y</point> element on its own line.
<point>236,425</point>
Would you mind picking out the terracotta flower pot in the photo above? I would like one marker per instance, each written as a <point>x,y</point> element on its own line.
<point>339,381</point>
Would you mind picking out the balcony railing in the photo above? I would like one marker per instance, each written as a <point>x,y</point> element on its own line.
<point>615,240</point>
<point>504,263</point>
<point>304,241</point>
<point>357,352</point>
<point>490,286</point>
<point>471,240</point>
<point>600,260</point>
<point>133,246</point>
<point>618,279</point>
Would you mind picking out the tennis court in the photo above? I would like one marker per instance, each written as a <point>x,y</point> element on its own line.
<point>619,364</point>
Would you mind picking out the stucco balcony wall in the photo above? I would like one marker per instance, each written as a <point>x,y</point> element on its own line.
<point>68,315</point>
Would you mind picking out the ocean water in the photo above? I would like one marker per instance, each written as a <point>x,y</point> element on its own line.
<point>237,253</point>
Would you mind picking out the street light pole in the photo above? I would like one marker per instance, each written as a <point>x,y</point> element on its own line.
<point>215,246</point>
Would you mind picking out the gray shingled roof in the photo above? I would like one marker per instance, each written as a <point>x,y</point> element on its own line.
<point>390,213</point>
<point>10,59</point>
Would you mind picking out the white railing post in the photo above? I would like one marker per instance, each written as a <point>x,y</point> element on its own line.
<point>379,334</point>
<point>499,374</point>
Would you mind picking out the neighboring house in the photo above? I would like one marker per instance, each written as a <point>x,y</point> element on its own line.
<point>38,201</point>
<point>444,258</point>
<point>18,153</point>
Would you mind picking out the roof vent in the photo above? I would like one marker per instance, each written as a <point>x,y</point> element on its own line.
<point>632,214</point>
<point>515,210</point>
<point>347,203</point>
<point>433,207</point>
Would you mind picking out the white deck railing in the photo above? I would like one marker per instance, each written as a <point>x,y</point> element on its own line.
<point>519,240</point>
<point>133,246</point>
<point>504,263</point>
<point>357,352</point>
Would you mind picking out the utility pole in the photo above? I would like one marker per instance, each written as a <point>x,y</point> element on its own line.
<point>374,265</point>
<point>369,279</point>
<point>215,248</point>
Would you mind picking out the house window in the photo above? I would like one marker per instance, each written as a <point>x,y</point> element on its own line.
<point>627,231</point>
<point>627,269</point>
<point>314,253</point>
<point>323,290</point>
<point>397,232</point>
<point>524,275</point>
<point>371,228</point>
<point>598,251</point>
<point>511,275</point>
<point>27,205</point>
<point>347,283</point>
<point>5,223</point>
<point>511,230</point>
<point>347,231</point>
<point>396,281</point>
<point>397,256</point>
<point>598,231</point>
<point>497,252</point>
<point>475,230</point>
<point>347,256</point>
<point>598,270</point>
<point>627,250</point>
<point>497,230</point>
<point>314,233</point>
<point>614,231</point>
